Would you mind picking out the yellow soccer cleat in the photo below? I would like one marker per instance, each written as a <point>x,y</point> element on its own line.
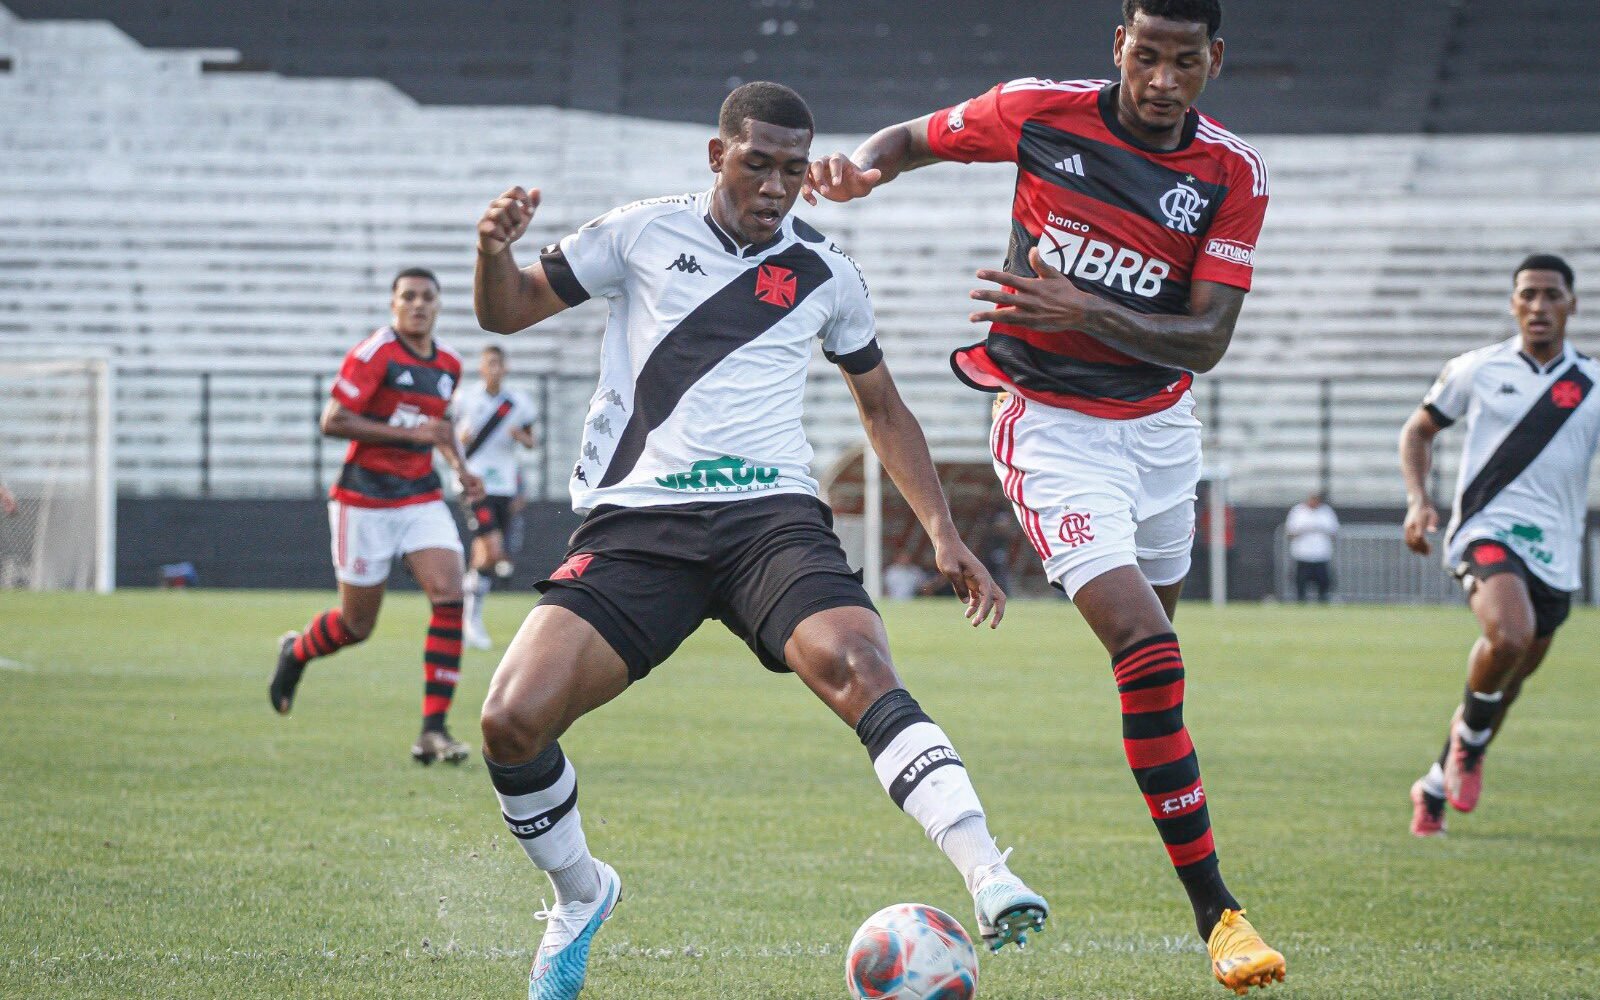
<point>1239,958</point>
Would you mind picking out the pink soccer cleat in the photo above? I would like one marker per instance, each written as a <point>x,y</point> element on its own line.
<point>1427,812</point>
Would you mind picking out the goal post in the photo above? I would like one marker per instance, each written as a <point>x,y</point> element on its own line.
<point>57,462</point>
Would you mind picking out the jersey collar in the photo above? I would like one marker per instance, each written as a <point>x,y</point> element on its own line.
<point>1564,358</point>
<point>1108,114</point>
<point>730,244</point>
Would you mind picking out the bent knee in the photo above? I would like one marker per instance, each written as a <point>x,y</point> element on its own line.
<point>1509,639</point>
<point>358,629</point>
<point>513,733</point>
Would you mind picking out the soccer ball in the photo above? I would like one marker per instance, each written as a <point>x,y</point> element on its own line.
<point>911,952</point>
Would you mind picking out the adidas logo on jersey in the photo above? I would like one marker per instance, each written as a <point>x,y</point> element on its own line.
<point>1093,260</point>
<point>404,378</point>
<point>1072,165</point>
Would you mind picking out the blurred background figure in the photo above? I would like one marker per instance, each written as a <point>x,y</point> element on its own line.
<point>903,579</point>
<point>1312,527</point>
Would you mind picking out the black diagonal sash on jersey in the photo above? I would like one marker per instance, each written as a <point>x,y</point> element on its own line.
<point>1526,442</point>
<point>496,418</point>
<point>732,317</point>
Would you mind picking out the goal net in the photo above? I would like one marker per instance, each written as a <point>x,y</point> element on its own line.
<point>57,517</point>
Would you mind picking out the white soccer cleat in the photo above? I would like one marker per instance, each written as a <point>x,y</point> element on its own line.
<point>562,963</point>
<point>1005,908</point>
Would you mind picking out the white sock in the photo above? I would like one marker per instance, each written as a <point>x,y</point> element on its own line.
<point>1433,781</point>
<point>1474,737</point>
<point>972,850</point>
<point>539,802</point>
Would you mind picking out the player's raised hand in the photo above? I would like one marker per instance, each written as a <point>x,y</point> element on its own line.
<point>1048,302</point>
<point>838,178</point>
<point>435,433</point>
<point>506,219</point>
<point>1422,520</point>
<point>972,583</point>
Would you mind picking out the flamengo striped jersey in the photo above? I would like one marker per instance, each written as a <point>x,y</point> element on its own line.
<point>1531,431</point>
<point>382,379</point>
<point>703,363</point>
<point>1132,224</point>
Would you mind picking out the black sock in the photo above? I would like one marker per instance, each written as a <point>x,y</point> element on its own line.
<point>1208,895</point>
<point>1477,710</point>
<point>433,723</point>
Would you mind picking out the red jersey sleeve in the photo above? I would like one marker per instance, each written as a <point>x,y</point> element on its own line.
<point>985,129</point>
<point>359,378</point>
<point>1228,249</point>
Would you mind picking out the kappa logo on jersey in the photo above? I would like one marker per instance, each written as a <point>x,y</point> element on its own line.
<point>687,264</point>
<point>1076,529</point>
<point>1507,389</point>
<point>1566,394</point>
<point>1232,251</point>
<point>1183,206</point>
<point>720,475</point>
<point>602,425</point>
<point>610,396</point>
<point>1074,254</point>
<point>775,285</point>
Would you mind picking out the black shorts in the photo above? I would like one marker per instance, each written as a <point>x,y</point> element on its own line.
<point>1486,557</point>
<point>646,577</point>
<point>488,515</point>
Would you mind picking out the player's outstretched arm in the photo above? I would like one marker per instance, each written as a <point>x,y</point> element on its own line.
<point>879,160</point>
<point>1194,341</point>
<point>898,440</point>
<point>1416,461</point>
<point>507,298</point>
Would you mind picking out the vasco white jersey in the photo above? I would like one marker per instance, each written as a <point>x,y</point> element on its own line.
<point>703,363</point>
<point>1531,431</point>
<point>488,420</point>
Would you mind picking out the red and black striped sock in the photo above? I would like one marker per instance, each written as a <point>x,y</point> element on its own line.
<point>1150,683</point>
<point>441,663</point>
<point>324,635</point>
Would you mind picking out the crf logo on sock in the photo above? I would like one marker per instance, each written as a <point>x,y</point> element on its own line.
<point>1076,529</point>
<point>1183,803</point>
<point>573,567</point>
<point>775,285</point>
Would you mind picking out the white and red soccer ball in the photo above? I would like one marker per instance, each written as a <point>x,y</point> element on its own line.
<point>911,952</point>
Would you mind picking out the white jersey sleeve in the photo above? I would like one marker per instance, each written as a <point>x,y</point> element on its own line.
<point>593,262</point>
<point>1451,394</point>
<point>849,339</point>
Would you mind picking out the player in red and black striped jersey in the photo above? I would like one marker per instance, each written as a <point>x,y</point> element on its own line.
<point>389,401</point>
<point>1132,242</point>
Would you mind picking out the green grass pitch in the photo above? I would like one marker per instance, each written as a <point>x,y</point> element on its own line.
<point>165,835</point>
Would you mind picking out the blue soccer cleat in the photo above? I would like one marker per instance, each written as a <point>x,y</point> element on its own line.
<point>1006,909</point>
<point>563,959</point>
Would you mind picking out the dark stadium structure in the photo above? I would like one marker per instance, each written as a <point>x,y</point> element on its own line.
<point>1356,66</point>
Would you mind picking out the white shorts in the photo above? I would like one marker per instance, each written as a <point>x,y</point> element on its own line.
<point>1095,494</point>
<point>367,539</point>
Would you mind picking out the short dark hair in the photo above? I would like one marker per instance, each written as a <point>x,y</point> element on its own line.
<point>1207,12</point>
<point>415,272</point>
<point>763,101</point>
<point>495,350</point>
<point>1545,262</point>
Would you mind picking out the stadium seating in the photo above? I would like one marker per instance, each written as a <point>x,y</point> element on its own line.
<point>246,224</point>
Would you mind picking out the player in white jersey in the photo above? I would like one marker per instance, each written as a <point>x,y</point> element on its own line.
<point>1532,422</point>
<point>493,421</point>
<point>694,476</point>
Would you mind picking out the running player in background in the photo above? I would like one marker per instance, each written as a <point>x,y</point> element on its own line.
<point>389,401</point>
<point>1516,532</point>
<point>492,421</point>
<point>1133,234</point>
<point>694,476</point>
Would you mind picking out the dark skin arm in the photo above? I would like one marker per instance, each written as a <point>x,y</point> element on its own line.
<point>507,298</point>
<point>897,439</point>
<point>1416,460</point>
<point>343,423</point>
<point>883,157</point>
<point>1195,341</point>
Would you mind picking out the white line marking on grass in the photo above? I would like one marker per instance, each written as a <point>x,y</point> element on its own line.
<point>6,664</point>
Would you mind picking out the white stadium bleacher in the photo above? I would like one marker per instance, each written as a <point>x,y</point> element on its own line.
<point>246,225</point>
